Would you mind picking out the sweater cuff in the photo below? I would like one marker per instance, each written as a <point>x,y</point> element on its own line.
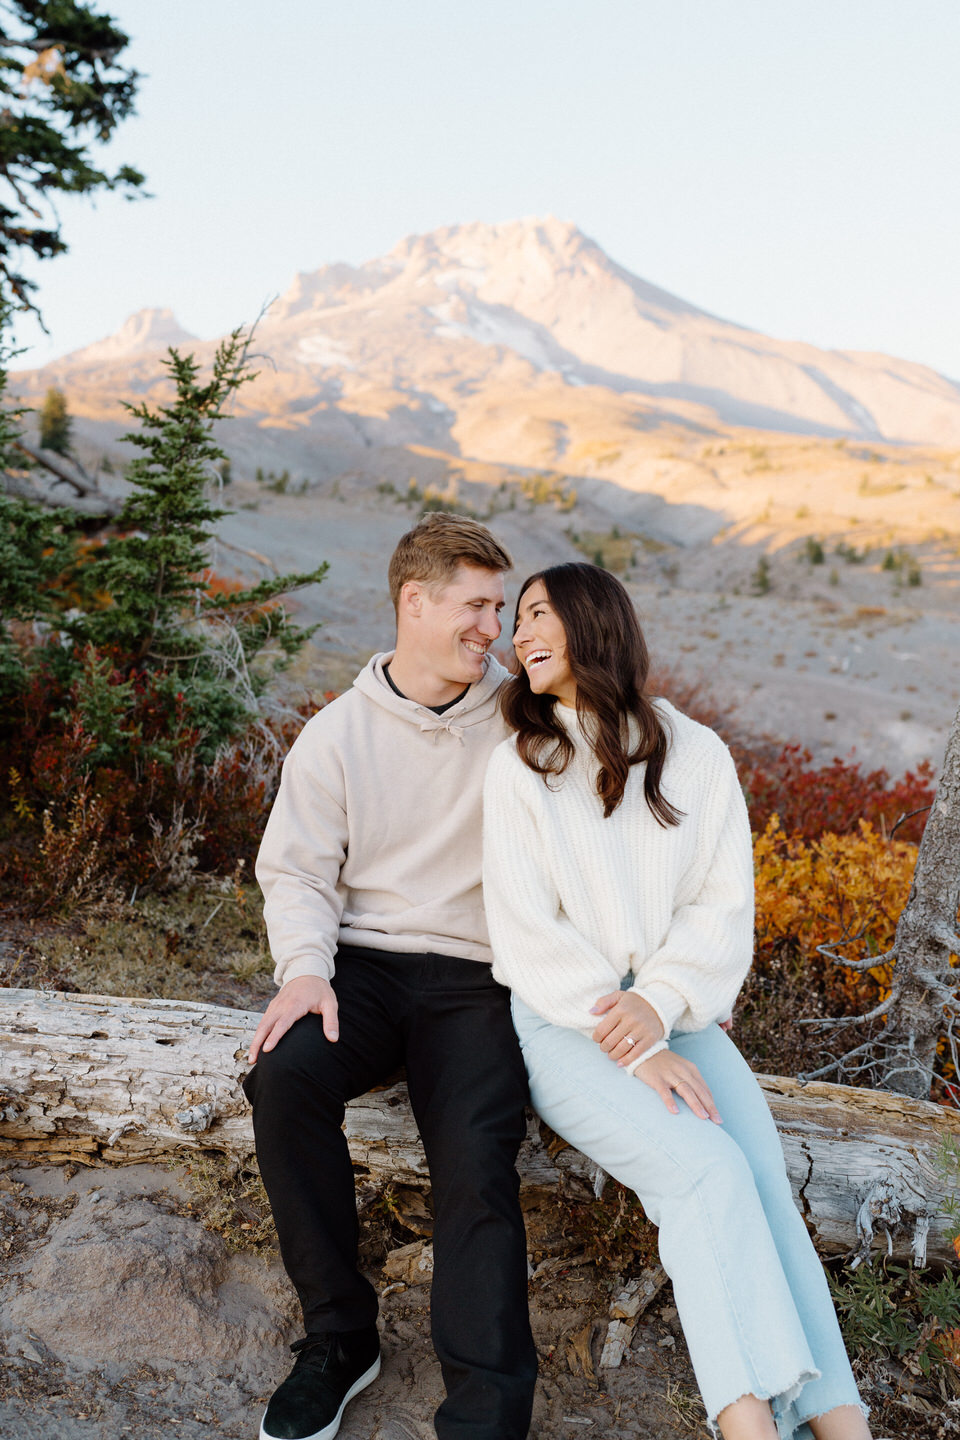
<point>647,1055</point>
<point>662,998</point>
<point>316,965</point>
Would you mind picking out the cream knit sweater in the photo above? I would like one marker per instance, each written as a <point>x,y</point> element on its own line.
<point>374,837</point>
<point>575,902</point>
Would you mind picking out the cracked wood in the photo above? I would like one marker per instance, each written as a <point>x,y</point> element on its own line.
<point>99,1078</point>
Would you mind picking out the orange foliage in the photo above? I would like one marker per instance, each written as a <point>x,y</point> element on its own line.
<point>832,888</point>
<point>829,891</point>
<point>215,584</point>
<point>948,1343</point>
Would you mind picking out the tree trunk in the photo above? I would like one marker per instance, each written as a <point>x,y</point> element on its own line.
<point>924,1004</point>
<point>94,1078</point>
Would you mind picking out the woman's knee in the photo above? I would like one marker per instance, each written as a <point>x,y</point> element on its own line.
<point>707,1178</point>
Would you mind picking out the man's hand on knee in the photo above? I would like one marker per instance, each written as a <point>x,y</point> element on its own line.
<point>307,995</point>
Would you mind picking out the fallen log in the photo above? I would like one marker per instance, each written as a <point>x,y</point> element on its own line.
<point>96,1078</point>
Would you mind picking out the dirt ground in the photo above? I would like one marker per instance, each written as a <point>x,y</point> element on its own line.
<point>121,1314</point>
<point>104,1335</point>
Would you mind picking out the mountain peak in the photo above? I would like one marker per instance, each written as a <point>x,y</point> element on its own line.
<point>480,244</point>
<point>142,333</point>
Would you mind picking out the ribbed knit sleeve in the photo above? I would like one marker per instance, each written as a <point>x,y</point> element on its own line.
<point>694,976</point>
<point>299,862</point>
<point>537,951</point>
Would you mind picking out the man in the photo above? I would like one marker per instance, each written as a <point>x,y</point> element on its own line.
<point>370,865</point>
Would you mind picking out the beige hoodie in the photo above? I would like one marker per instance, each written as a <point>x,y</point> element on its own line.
<point>374,838</point>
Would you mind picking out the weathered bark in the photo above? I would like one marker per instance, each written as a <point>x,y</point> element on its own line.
<point>924,983</point>
<point>96,1078</point>
<point>923,1005</point>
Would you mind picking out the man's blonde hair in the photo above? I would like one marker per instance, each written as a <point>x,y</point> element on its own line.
<point>433,550</point>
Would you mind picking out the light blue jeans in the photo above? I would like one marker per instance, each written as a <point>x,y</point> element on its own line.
<point>750,1291</point>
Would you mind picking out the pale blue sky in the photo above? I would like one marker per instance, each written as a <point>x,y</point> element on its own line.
<point>791,166</point>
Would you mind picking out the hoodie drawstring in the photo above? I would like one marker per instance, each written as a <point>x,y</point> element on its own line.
<point>440,724</point>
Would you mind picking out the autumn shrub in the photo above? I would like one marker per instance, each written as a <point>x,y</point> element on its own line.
<point>105,782</point>
<point>812,800</point>
<point>841,891</point>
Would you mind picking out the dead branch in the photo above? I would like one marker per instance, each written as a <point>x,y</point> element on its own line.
<point>83,487</point>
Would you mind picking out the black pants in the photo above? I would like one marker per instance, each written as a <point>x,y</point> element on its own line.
<point>449,1022</point>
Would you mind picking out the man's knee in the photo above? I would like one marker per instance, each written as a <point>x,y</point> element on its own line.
<point>299,1065</point>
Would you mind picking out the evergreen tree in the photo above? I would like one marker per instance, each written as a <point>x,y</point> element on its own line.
<point>35,545</point>
<point>61,91</point>
<point>55,422</point>
<point>147,604</point>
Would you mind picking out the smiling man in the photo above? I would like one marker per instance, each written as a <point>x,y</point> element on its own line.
<point>370,865</point>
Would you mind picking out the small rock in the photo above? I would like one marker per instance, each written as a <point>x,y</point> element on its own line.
<point>121,1281</point>
<point>412,1264</point>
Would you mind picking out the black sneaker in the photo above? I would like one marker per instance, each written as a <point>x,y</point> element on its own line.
<point>330,1370</point>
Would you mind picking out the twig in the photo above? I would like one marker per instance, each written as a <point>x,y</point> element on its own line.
<point>904,818</point>
<point>218,906</point>
<point>829,1023</point>
<point>869,962</point>
<point>250,554</point>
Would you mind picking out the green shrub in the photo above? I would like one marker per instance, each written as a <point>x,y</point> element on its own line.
<point>760,581</point>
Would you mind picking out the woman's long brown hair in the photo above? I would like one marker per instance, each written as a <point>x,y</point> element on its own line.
<point>608,658</point>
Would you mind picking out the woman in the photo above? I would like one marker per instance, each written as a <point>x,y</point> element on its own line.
<point>618,884</point>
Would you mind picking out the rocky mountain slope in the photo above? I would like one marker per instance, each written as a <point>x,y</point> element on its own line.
<point>516,371</point>
<point>475,340</point>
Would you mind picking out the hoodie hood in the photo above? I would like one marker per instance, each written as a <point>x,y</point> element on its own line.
<point>476,707</point>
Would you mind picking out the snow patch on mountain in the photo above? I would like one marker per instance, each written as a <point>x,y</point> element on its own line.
<point>320,349</point>
<point>492,326</point>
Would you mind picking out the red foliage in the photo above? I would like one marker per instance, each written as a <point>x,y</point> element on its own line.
<point>136,802</point>
<point>811,800</point>
<point>815,800</point>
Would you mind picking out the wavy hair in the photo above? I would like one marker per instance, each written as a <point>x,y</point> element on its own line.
<point>608,658</point>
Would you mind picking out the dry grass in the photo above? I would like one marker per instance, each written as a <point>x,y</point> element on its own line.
<point>613,550</point>
<point>205,942</point>
<point>229,1199</point>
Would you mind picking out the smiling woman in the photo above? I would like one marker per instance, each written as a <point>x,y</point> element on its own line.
<point>577,640</point>
<point>541,645</point>
<point>618,886</point>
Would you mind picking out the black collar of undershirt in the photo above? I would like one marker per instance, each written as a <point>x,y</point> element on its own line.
<point>437,709</point>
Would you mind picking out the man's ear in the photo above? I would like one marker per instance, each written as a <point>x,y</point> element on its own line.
<point>411,599</point>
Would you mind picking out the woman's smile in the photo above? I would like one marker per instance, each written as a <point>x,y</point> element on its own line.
<point>541,646</point>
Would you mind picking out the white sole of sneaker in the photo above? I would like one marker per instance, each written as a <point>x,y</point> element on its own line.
<point>328,1431</point>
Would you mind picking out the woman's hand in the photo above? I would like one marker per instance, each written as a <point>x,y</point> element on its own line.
<point>666,1072</point>
<point>629,1026</point>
